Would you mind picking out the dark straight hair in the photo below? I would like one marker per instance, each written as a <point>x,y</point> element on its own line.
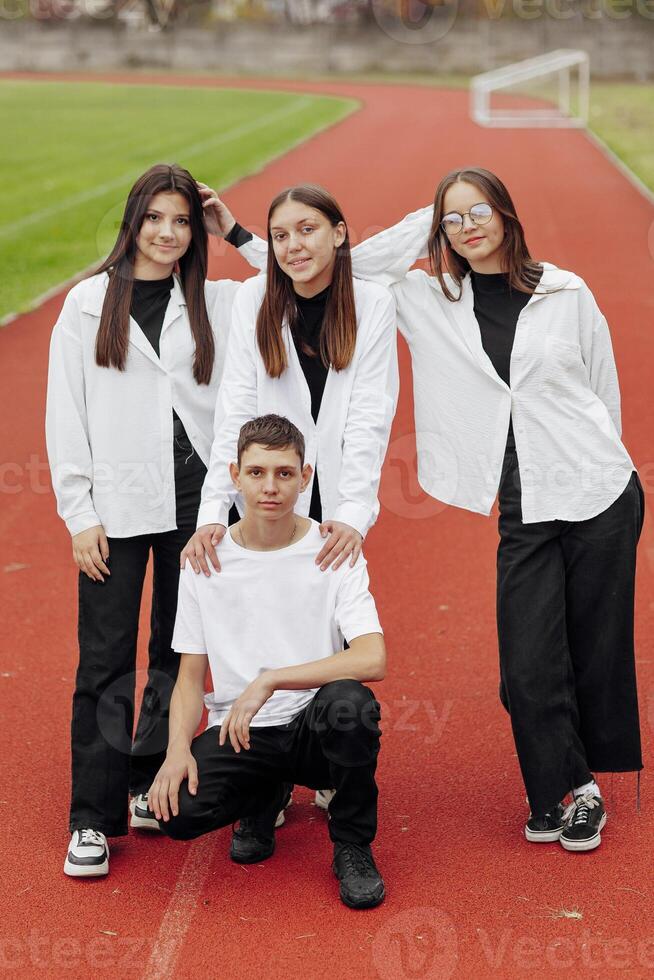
<point>339,328</point>
<point>522,271</point>
<point>113,333</point>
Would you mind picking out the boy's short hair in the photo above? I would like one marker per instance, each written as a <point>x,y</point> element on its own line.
<point>273,432</point>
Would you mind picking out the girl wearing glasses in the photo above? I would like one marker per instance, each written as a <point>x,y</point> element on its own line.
<point>136,358</point>
<point>516,394</point>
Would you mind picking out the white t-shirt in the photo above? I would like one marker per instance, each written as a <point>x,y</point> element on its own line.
<point>270,609</point>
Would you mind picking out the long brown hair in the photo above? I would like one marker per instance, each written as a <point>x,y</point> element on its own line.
<point>522,271</point>
<point>339,328</point>
<point>113,333</point>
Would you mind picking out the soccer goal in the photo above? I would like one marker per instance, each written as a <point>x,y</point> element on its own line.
<point>560,78</point>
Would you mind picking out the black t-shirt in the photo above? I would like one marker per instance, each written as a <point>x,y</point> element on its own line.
<point>150,298</point>
<point>497,307</point>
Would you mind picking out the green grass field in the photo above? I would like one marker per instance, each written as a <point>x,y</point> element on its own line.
<point>71,153</point>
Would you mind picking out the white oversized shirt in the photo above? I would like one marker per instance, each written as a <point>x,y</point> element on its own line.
<point>266,610</point>
<point>109,433</point>
<point>348,442</point>
<point>564,396</point>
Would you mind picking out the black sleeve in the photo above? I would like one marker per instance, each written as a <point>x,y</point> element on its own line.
<point>238,236</point>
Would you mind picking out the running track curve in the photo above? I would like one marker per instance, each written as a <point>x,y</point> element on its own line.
<point>467,896</point>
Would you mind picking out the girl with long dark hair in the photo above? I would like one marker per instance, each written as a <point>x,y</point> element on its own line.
<point>516,394</point>
<point>313,345</point>
<point>135,362</point>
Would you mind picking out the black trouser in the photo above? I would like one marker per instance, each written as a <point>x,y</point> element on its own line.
<point>334,741</point>
<point>565,616</point>
<point>107,763</point>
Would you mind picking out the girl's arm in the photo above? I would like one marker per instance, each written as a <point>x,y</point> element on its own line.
<point>387,257</point>
<point>598,356</point>
<point>66,424</point>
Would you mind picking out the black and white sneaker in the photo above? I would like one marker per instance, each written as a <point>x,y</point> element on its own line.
<point>586,818</point>
<point>362,886</point>
<point>142,816</point>
<point>88,854</point>
<point>324,797</point>
<point>544,830</point>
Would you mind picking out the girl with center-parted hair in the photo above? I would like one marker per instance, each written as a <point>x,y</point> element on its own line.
<point>516,394</point>
<point>313,345</point>
<point>136,358</point>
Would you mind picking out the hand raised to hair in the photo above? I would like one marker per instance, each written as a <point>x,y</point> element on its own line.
<point>218,219</point>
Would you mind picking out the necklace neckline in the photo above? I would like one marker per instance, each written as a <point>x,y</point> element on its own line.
<point>243,542</point>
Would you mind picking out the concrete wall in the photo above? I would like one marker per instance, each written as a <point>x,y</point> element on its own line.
<point>617,48</point>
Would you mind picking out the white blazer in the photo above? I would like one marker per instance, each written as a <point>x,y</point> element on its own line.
<point>564,397</point>
<point>109,433</point>
<point>348,443</point>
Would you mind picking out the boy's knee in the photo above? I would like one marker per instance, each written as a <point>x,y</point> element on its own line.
<point>349,723</point>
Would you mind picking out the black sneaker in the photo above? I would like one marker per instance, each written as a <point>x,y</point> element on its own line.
<point>362,886</point>
<point>254,838</point>
<point>543,830</point>
<point>586,818</point>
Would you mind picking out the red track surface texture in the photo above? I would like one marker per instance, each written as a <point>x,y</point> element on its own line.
<point>467,896</point>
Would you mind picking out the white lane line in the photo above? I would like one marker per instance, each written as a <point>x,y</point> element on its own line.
<point>181,909</point>
<point>185,152</point>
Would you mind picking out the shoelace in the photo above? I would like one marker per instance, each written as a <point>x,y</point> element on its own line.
<point>357,861</point>
<point>583,805</point>
<point>91,837</point>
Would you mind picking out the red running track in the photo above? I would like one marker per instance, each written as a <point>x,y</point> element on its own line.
<point>467,896</point>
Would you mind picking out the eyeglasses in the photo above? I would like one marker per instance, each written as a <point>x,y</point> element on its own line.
<point>452,222</point>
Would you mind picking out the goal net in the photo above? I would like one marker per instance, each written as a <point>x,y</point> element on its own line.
<point>550,90</point>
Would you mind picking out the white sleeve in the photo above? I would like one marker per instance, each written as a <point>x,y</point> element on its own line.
<point>600,364</point>
<point>66,424</point>
<point>255,252</point>
<point>369,419</point>
<point>235,405</point>
<point>188,635</point>
<point>356,613</point>
<point>387,257</point>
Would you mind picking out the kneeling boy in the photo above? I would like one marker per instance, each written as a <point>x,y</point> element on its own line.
<point>288,704</point>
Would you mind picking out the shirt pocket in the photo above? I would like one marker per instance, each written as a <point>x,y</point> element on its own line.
<point>563,365</point>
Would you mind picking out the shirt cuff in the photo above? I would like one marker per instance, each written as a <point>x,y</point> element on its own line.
<point>238,236</point>
<point>82,522</point>
<point>358,517</point>
<point>213,512</point>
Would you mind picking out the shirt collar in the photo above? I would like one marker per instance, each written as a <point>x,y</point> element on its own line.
<point>97,289</point>
<point>552,280</point>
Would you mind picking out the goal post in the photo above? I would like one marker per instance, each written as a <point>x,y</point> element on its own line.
<point>567,66</point>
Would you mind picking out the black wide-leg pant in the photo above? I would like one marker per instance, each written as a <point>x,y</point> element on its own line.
<point>108,762</point>
<point>565,617</point>
<point>333,741</point>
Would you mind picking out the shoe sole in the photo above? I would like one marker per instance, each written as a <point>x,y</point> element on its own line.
<point>143,823</point>
<point>373,903</point>
<point>584,845</point>
<point>86,870</point>
<point>543,837</point>
<point>250,860</point>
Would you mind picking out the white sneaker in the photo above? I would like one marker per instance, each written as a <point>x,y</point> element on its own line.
<point>88,854</point>
<point>142,816</point>
<point>324,798</point>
